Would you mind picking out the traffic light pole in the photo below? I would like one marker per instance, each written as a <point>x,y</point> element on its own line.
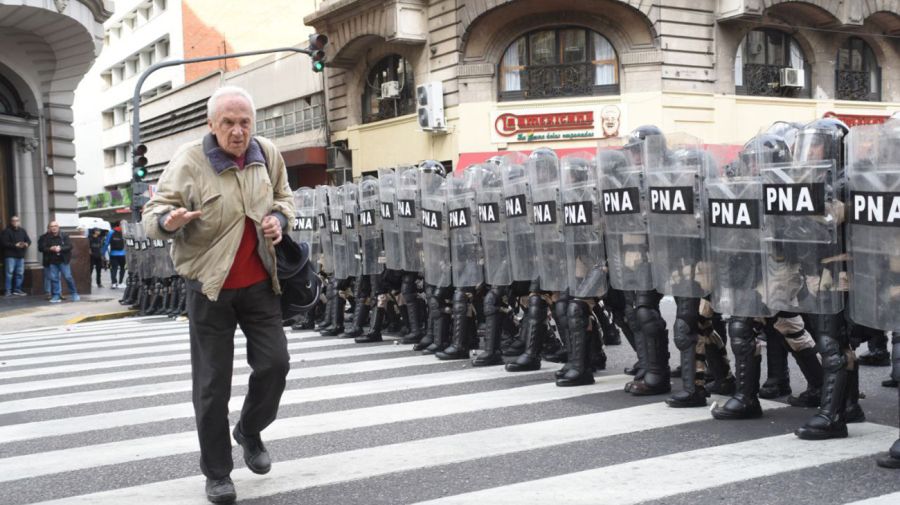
<point>136,99</point>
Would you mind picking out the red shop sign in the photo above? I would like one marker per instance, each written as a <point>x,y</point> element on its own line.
<point>852,120</point>
<point>508,125</point>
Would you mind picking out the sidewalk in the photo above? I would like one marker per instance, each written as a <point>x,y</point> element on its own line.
<point>24,312</point>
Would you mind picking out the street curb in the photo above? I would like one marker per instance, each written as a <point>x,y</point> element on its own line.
<point>102,317</point>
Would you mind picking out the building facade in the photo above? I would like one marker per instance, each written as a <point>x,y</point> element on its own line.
<point>45,50</point>
<point>144,32</point>
<point>515,73</point>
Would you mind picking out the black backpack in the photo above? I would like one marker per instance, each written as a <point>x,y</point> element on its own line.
<point>117,242</point>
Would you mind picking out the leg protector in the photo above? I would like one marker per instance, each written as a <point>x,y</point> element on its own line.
<point>578,371</point>
<point>686,335</point>
<point>495,310</point>
<point>438,308</point>
<point>656,380</point>
<point>830,421</point>
<point>462,326</point>
<point>744,404</point>
<point>361,309</point>
<point>536,332</point>
<point>374,334</point>
<point>778,381</point>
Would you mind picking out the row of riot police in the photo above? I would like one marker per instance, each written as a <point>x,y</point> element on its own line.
<point>790,246</point>
<point>152,286</point>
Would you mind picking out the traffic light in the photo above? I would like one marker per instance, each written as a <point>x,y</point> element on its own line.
<point>317,43</point>
<point>139,163</point>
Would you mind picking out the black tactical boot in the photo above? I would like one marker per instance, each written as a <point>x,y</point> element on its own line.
<point>553,351</point>
<point>656,379</point>
<point>462,329</point>
<point>337,312</point>
<point>639,342</point>
<point>360,318</point>
<point>441,333</point>
<point>809,365</point>
<point>719,379</point>
<point>745,403</point>
<point>396,320</point>
<point>854,412</point>
<point>693,393</point>
<point>578,371</point>
<point>609,331</point>
<point>875,357</point>
<point>513,338</point>
<point>536,332</point>
<point>374,334</point>
<point>493,322</point>
<point>778,382</point>
<point>416,322</point>
<point>330,301</point>
<point>892,458</point>
<point>427,334</point>
<point>829,421</point>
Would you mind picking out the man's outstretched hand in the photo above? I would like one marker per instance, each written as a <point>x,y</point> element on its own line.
<point>271,227</point>
<point>180,217</point>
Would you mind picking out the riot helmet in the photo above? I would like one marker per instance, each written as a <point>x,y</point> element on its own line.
<point>611,161</point>
<point>578,167</point>
<point>762,149</point>
<point>634,145</point>
<point>820,140</point>
<point>433,167</point>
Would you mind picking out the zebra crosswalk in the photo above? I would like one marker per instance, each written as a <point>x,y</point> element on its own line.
<point>101,414</point>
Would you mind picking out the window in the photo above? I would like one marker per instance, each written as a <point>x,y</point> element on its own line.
<point>759,60</point>
<point>376,107</point>
<point>10,103</point>
<point>557,63</point>
<point>288,118</point>
<point>857,74</point>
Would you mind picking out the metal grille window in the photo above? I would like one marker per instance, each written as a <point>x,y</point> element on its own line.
<point>857,74</point>
<point>558,63</point>
<point>759,62</point>
<point>375,107</point>
<point>288,118</point>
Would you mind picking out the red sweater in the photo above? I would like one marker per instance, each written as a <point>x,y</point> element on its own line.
<point>247,268</point>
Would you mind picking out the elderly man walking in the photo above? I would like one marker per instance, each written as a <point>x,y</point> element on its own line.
<point>225,201</point>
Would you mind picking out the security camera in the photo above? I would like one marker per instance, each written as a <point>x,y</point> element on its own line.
<point>48,171</point>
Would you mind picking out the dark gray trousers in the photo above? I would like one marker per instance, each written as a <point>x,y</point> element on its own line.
<point>212,325</point>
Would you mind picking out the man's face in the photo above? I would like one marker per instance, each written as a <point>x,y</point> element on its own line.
<point>53,227</point>
<point>232,123</point>
<point>14,222</point>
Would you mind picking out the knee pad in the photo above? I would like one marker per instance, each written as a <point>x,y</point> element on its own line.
<point>491,302</point>
<point>537,308</point>
<point>647,300</point>
<point>833,358</point>
<point>577,308</point>
<point>684,337</point>
<point>650,321</point>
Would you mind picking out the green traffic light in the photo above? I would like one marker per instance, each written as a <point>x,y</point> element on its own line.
<point>318,66</point>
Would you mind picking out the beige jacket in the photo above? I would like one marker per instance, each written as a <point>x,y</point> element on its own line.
<point>201,176</point>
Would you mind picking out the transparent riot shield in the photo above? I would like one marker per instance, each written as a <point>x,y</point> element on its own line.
<point>168,265</point>
<point>351,228</point>
<point>736,255</point>
<point>462,224</point>
<point>582,226</point>
<point>873,166</point>
<point>147,260</point>
<point>543,178</point>
<point>623,198</point>
<point>305,229</point>
<point>323,225</point>
<point>371,244</point>
<point>803,206</point>
<point>390,226</point>
<point>131,257</point>
<point>435,234</point>
<point>676,217</point>
<point>519,225</point>
<point>491,222</point>
<point>336,227</point>
<point>409,219</point>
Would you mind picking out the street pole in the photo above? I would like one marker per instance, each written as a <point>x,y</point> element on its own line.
<point>136,102</point>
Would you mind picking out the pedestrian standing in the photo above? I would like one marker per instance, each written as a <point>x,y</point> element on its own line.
<point>114,248</point>
<point>95,242</point>
<point>15,241</point>
<point>45,261</point>
<point>59,247</point>
<point>224,200</point>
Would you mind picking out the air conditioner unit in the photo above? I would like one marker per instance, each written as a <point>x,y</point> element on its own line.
<point>338,157</point>
<point>390,89</point>
<point>430,106</point>
<point>792,78</point>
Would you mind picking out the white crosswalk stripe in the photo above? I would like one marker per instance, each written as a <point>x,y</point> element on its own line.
<point>367,415</point>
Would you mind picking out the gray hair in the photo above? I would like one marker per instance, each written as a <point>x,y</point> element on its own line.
<point>228,91</point>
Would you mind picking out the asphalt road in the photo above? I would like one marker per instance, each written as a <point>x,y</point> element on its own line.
<point>100,413</point>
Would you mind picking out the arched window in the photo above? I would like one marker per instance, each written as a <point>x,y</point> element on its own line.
<point>556,63</point>
<point>10,103</point>
<point>857,74</point>
<point>390,90</point>
<point>770,63</point>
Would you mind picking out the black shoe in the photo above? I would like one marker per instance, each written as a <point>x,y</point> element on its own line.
<point>685,399</point>
<point>725,387</point>
<point>641,388</point>
<point>332,332</point>
<point>892,458</point>
<point>890,383</point>
<point>369,338</point>
<point>807,399</point>
<point>255,455</point>
<point>220,490</point>
<point>822,427</point>
<point>738,407</point>
<point>773,389</point>
<point>488,358</point>
<point>855,414</point>
<point>879,357</point>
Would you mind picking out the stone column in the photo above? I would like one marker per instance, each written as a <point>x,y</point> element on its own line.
<point>27,182</point>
